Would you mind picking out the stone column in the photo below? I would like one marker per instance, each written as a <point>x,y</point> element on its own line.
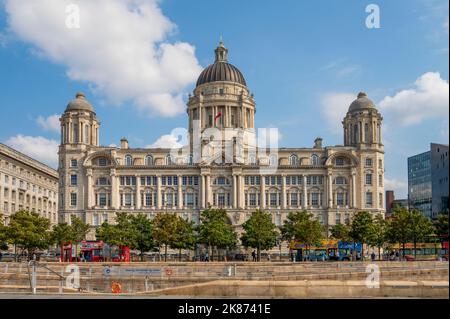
<point>138,192</point>
<point>180,192</point>
<point>115,201</point>
<point>235,191</point>
<point>158,192</point>
<point>202,191</point>
<point>263,192</point>
<point>353,186</point>
<point>305,194</point>
<point>283,192</point>
<point>241,192</point>
<point>330,189</point>
<point>208,190</point>
<point>90,189</point>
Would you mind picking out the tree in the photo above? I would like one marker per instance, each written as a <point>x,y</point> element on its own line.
<point>441,225</point>
<point>215,231</point>
<point>29,231</point>
<point>79,230</point>
<point>301,226</point>
<point>259,232</point>
<point>361,229</point>
<point>120,234</point>
<point>3,235</point>
<point>142,233</point>
<point>379,233</point>
<point>61,234</point>
<point>341,232</point>
<point>398,230</point>
<point>420,227</point>
<point>185,237</point>
<point>164,231</point>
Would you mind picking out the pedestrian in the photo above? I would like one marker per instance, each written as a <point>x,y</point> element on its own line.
<point>372,256</point>
<point>206,257</point>
<point>1,256</point>
<point>254,255</point>
<point>397,256</point>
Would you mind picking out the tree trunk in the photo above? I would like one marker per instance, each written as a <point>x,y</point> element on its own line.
<point>362,251</point>
<point>62,252</point>
<point>415,245</point>
<point>403,250</point>
<point>212,253</point>
<point>179,255</point>
<point>165,252</point>
<point>142,255</point>
<point>258,253</point>
<point>379,253</point>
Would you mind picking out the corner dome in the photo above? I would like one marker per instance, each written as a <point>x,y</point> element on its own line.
<point>361,103</point>
<point>221,70</point>
<point>79,104</point>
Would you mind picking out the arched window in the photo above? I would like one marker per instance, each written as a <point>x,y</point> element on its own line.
<point>128,160</point>
<point>273,160</point>
<point>169,160</point>
<point>149,160</point>
<point>314,160</point>
<point>293,160</point>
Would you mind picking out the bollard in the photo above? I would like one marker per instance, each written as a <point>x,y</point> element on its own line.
<point>235,270</point>
<point>33,278</point>
<point>60,287</point>
<point>6,268</point>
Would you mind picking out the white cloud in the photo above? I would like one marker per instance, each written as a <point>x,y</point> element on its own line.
<point>50,123</point>
<point>36,147</point>
<point>400,187</point>
<point>334,106</point>
<point>166,141</point>
<point>121,49</point>
<point>428,99</point>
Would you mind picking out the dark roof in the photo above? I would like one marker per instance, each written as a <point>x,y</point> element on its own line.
<point>221,71</point>
<point>79,104</point>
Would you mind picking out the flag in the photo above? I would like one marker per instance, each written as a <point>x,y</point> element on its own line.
<point>217,116</point>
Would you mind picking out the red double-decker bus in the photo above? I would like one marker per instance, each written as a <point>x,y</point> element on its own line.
<point>95,251</point>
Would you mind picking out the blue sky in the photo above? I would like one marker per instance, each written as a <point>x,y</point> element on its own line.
<point>304,61</point>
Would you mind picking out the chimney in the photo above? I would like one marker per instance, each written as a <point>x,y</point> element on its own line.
<point>318,142</point>
<point>124,144</point>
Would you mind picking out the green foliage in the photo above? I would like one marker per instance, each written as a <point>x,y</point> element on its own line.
<point>3,235</point>
<point>259,232</point>
<point>214,230</point>
<point>120,234</point>
<point>303,227</point>
<point>441,225</point>
<point>61,234</point>
<point>341,232</point>
<point>185,235</point>
<point>142,233</point>
<point>79,228</point>
<point>28,231</point>
<point>379,233</point>
<point>398,231</point>
<point>164,231</point>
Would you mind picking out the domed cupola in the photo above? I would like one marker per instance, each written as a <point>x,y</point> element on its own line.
<point>361,103</point>
<point>221,70</point>
<point>79,104</point>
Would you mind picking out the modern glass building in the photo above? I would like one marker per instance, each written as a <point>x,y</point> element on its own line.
<point>428,180</point>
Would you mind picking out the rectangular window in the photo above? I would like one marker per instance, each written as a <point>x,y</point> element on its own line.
<point>294,199</point>
<point>73,180</point>
<point>340,199</point>
<point>73,163</point>
<point>102,199</point>
<point>102,161</point>
<point>380,200</point>
<point>127,199</point>
<point>368,162</point>
<point>337,220</point>
<point>73,199</point>
<point>380,180</point>
<point>315,199</point>
<point>368,199</point>
<point>273,199</point>
<point>189,199</point>
<point>95,219</point>
<point>148,199</point>
<point>252,199</point>
<point>368,179</point>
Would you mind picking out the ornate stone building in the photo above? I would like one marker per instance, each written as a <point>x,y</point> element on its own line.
<point>26,184</point>
<point>332,182</point>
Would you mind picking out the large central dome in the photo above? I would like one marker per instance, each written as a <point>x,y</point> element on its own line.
<point>221,70</point>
